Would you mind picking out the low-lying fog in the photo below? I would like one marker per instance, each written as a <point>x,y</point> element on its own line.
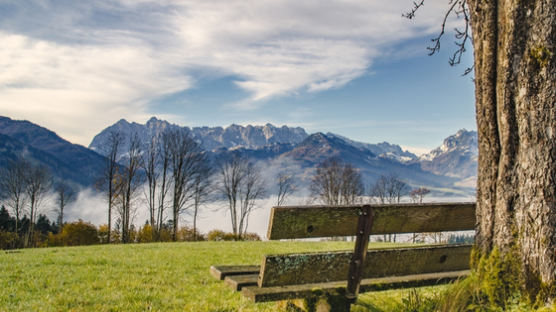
<point>92,207</point>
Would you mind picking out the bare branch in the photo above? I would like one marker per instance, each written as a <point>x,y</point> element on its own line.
<point>241,184</point>
<point>416,6</point>
<point>460,9</point>
<point>436,41</point>
<point>286,187</point>
<point>336,182</point>
<point>186,161</point>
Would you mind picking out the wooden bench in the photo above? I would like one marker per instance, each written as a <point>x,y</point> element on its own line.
<point>346,273</point>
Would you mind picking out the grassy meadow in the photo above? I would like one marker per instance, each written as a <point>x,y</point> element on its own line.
<point>146,277</point>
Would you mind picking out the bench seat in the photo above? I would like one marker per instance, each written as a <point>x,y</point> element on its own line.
<point>235,277</point>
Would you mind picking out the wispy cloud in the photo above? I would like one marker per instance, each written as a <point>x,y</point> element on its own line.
<point>77,66</point>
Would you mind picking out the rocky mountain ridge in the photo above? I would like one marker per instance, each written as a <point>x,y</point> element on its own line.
<point>451,164</point>
<point>210,138</point>
<point>456,157</point>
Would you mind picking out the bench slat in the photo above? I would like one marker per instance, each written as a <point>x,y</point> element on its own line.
<point>326,221</point>
<point>258,294</point>
<point>307,268</point>
<point>237,282</point>
<point>221,271</point>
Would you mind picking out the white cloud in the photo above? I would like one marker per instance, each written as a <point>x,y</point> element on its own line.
<point>79,90</point>
<point>75,68</point>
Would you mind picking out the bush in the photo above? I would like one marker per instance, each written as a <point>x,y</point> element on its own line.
<point>187,234</point>
<point>165,235</point>
<point>75,234</point>
<point>219,235</point>
<point>8,240</point>
<point>251,237</point>
<point>216,235</point>
<point>103,233</point>
<point>145,234</point>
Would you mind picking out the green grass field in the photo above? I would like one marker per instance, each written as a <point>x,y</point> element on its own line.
<point>145,277</point>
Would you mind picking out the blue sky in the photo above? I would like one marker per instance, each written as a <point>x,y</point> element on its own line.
<point>355,68</point>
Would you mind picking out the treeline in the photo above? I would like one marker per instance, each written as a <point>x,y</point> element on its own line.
<point>14,233</point>
<point>48,234</point>
<point>24,188</point>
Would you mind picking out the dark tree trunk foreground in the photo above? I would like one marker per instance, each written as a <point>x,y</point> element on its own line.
<point>515,90</point>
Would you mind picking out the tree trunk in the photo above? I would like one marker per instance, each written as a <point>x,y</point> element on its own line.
<point>175,220</point>
<point>515,91</point>
<point>109,210</point>
<point>195,221</point>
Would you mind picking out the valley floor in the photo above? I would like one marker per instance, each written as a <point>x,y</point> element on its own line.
<point>146,277</point>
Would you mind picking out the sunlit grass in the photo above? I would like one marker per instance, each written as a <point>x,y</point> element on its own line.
<point>144,277</point>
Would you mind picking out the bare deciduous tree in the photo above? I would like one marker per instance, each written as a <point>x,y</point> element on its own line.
<point>12,186</point>
<point>164,180</point>
<point>112,148</point>
<point>37,186</point>
<point>388,189</point>
<point>252,189</point>
<point>418,194</point>
<point>186,161</point>
<point>201,192</point>
<point>241,184</point>
<point>336,183</point>
<point>150,164</point>
<point>286,187</point>
<point>128,185</point>
<point>64,195</point>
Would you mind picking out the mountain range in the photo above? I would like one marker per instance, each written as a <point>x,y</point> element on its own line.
<point>449,169</point>
<point>451,166</point>
<point>210,138</point>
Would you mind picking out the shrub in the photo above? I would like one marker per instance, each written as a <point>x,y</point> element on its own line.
<point>251,237</point>
<point>216,235</point>
<point>8,240</point>
<point>187,234</point>
<point>145,234</point>
<point>165,235</point>
<point>74,234</point>
<point>103,233</point>
<point>219,235</point>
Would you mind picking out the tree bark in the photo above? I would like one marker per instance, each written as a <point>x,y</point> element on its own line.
<point>515,89</point>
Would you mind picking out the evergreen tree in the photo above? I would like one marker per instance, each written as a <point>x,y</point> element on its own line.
<point>7,223</point>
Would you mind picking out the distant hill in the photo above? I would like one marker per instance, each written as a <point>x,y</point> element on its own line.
<point>65,160</point>
<point>384,149</point>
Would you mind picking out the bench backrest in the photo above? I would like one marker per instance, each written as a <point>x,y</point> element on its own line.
<point>327,221</point>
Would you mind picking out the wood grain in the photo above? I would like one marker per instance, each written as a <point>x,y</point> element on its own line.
<point>306,268</point>
<point>221,271</point>
<point>236,282</point>
<point>263,294</point>
<point>325,221</point>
